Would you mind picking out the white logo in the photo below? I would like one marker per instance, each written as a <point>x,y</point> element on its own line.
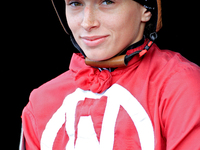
<point>86,139</point>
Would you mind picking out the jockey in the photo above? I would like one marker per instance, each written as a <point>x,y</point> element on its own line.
<point>121,90</point>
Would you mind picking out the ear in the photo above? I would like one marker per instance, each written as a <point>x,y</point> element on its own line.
<point>146,15</point>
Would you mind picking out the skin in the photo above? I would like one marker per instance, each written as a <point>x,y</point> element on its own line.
<point>105,28</point>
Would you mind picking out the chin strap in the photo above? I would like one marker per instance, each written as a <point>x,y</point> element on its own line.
<point>118,61</point>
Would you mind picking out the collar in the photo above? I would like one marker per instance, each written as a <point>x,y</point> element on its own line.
<point>96,80</point>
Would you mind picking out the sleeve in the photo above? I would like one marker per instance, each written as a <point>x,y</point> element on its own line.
<point>30,130</point>
<point>181,110</point>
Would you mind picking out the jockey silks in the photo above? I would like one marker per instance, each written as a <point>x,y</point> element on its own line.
<point>151,104</point>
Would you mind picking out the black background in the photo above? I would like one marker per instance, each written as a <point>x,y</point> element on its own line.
<point>36,49</point>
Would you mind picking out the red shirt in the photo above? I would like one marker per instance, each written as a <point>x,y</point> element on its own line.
<point>153,103</point>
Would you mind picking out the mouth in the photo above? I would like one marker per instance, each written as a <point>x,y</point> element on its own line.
<point>93,41</point>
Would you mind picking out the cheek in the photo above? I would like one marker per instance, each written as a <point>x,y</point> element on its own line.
<point>73,22</point>
<point>128,22</point>
<point>124,28</point>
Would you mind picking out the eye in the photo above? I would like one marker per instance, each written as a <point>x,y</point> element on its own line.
<point>75,4</point>
<point>107,2</point>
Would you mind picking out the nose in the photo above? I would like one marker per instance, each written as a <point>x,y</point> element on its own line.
<point>89,21</point>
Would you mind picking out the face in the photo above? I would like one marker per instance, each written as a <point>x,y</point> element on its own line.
<point>104,28</point>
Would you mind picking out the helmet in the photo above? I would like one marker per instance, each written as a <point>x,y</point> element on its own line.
<point>153,26</point>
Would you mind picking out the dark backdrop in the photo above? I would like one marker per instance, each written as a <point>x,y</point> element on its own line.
<point>36,49</point>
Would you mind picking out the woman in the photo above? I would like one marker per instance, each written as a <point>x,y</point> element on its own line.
<point>121,90</point>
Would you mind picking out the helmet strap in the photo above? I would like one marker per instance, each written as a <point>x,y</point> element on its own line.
<point>118,61</point>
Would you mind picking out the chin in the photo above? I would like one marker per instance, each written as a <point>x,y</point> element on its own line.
<point>96,58</point>
<point>97,55</point>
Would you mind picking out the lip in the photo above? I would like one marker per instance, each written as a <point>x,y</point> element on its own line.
<point>93,41</point>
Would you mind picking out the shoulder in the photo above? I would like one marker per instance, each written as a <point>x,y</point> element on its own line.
<point>175,78</point>
<point>52,92</point>
<point>46,99</point>
<point>168,63</point>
